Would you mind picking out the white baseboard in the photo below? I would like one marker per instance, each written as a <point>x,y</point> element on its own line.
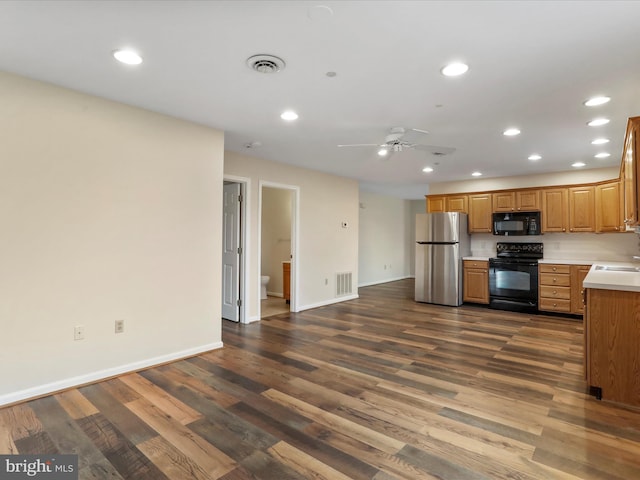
<point>48,388</point>
<point>328,302</point>
<point>275,294</point>
<point>386,280</point>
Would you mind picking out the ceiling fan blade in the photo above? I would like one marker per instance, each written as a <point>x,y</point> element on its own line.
<point>435,149</point>
<point>415,135</point>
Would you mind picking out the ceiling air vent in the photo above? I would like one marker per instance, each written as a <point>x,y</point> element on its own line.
<point>265,63</point>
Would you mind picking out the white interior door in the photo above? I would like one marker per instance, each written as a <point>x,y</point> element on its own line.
<point>231,252</point>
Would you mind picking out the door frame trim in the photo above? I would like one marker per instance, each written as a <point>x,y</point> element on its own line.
<point>295,223</point>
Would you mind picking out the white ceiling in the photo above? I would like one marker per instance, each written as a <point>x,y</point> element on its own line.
<point>532,65</point>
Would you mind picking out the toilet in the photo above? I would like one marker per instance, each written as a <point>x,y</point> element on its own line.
<point>264,279</point>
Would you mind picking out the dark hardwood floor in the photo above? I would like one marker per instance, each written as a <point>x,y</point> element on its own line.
<point>377,388</point>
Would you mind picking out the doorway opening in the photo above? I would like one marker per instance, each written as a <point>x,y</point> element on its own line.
<point>278,246</point>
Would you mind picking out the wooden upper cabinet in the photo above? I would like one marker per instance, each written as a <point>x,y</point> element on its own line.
<point>504,201</point>
<point>480,213</point>
<point>629,172</point>
<point>528,200</point>
<point>582,216</point>
<point>555,210</point>
<point>456,203</point>
<point>447,203</point>
<point>517,200</point>
<point>609,207</point>
<point>435,204</point>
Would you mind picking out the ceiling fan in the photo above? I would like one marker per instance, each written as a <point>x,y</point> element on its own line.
<point>399,139</point>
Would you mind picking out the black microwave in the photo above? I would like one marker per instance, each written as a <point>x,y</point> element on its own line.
<point>516,223</point>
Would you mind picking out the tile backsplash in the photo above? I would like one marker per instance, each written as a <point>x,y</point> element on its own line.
<point>613,247</point>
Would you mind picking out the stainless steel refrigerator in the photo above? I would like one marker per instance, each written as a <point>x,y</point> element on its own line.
<point>441,242</point>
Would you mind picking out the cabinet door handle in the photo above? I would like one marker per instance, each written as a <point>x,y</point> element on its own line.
<point>555,292</point>
<point>554,269</point>
<point>555,280</point>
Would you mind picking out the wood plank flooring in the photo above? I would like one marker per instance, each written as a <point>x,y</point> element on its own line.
<point>376,388</point>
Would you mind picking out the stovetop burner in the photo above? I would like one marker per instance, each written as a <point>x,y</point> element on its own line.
<point>519,250</point>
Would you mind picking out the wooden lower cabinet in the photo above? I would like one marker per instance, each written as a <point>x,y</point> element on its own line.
<point>578,272</point>
<point>476,281</point>
<point>612,336</point>
<point>560,287</point>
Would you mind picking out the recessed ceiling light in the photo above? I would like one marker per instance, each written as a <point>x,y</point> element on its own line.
<point>289,116</point>
<point>600,141</point>
<point>127,56</point>
<point>454,69</point>
<point>383,152</point>
<point>476,174</point>
<point>578,164</point>
<point>595,101</point>
<point>602,155</point>
<point>535,156</point>
<point>596,122</point>
<point>427,169</point>
<point>510,132</point>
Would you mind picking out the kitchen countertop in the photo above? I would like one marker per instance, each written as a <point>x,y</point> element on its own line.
<point>612,280</point>
<point>564,261</point>
<point>602,279</point>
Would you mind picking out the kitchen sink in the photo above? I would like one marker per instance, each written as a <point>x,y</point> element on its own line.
<point>611,268</point>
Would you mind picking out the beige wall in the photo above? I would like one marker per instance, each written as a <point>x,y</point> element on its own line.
<point>324,248</point>
<point>386,238</point>
<point>107,212</point>
<point>276,235</point>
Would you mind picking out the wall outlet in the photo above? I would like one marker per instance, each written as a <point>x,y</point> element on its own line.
<point>78,332</point>
<point>119,326</point>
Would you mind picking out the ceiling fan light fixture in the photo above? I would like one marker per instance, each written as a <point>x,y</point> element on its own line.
<point>383,152</point>
<point>454,69</point>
